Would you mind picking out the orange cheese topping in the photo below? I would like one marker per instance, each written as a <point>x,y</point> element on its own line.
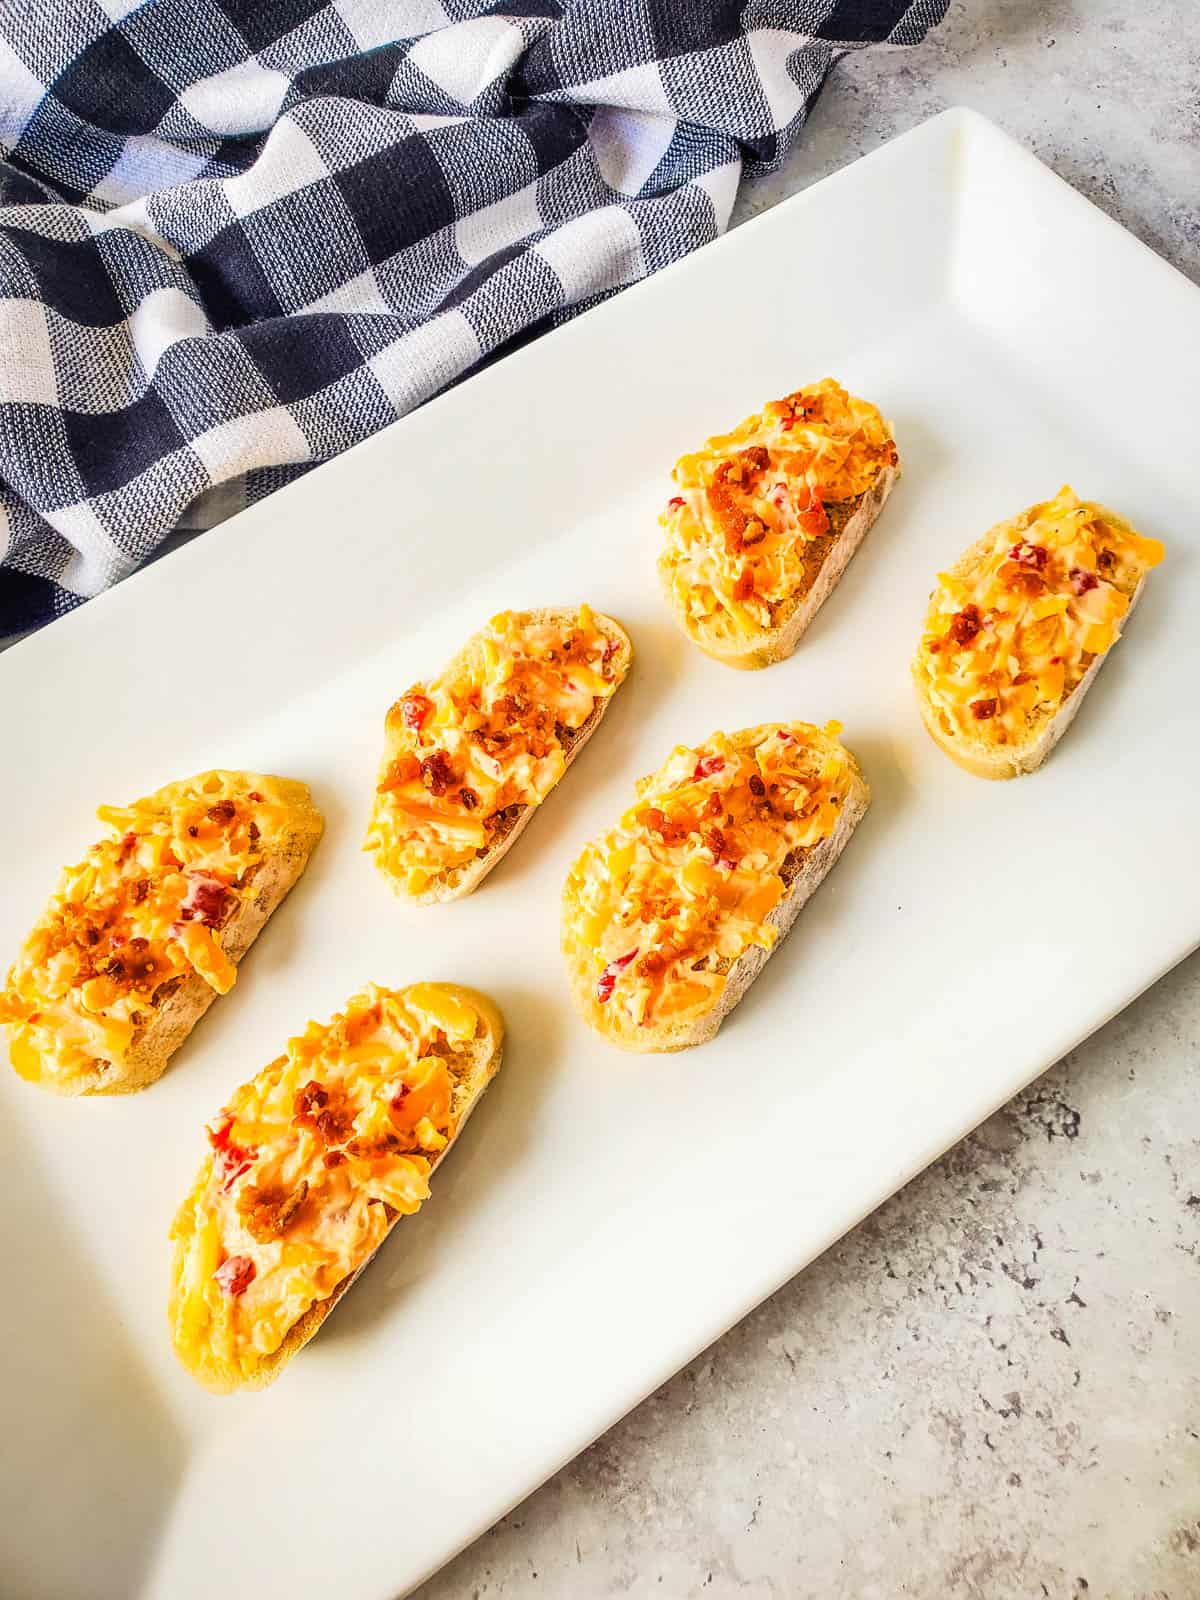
<point>1008,640</point>
<point>663,904</point>
<point>309,1163</point>
<point>747,529</point>
<point>465,752</point>
<point>143,910</point>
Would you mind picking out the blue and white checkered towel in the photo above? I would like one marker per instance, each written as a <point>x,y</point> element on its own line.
<point>238,236</point>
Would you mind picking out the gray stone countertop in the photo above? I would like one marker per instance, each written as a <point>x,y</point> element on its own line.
<point>991,1389</point>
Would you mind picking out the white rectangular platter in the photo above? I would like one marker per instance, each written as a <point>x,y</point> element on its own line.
<point>604,1216</point>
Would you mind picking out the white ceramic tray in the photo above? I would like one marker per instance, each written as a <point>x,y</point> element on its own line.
<point>604,1216</point>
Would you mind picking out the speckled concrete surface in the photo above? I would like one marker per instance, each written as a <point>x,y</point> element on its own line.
<point>991,1389</point>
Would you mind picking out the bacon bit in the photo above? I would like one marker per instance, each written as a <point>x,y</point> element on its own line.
<point>468,798</point>
<point>934,647</point>
<point>715,841</point>
<point>657,822</point>
<point>128,845</point>
<point>309,1099</point>
<point>727,513</point>
<point>438,774</point>
<point>1082,581</point>
<point>235,1274</point>
<point>254,795</point>
<point>966,625</point>
<point>982,710</point>
<point>253,832</point>
<point>655,962</point>
<point>607,979</point>
<point>224,811</point>
<point>1029,555</point>
<point>812,517</point>
<point>756,458</point>
<point>714,806</point>
<point>92,935</point>
<point>706,766</point>
<point>136,964</point>
<point>333,1126</point>
<point>675,500</point>
<point>403,769</point>
<point>415,710</point>
<point>757,786</point>
<point>193,831</point>
<point>400,1096</point>
<point>138,893</point>
<point>208,901</point>
<point>754,532</point>
<point>744,587</point>
<point>787,423</point>
<point>267,1212</point>
<point>1105,559</point>
<point>333,1158</point>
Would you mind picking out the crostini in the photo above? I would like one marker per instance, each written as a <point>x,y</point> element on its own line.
<point>669,917</point>
<point>1019,627</point>
<point>310,1166</point>
<point>764,521</point>
<point>469,757</point>
<point>142,935</point>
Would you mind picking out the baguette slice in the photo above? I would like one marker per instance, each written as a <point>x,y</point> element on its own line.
<point>151,925</point>
<point>407,855</point>
<point>781,504</point>
<point>985,630</point>
<point>675,850</point>
<point>213,1330</point>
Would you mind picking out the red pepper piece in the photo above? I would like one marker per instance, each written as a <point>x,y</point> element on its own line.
<point>235,1274</point>
<point>415,710</point>
<point>607,979</point>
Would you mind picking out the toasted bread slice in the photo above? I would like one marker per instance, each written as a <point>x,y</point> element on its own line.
<point>235,1219</point>
<point>1019,627</point>
<point>143,934</point>
<point>430,845</point>
<point>669,918</point>
<point>768,517</point>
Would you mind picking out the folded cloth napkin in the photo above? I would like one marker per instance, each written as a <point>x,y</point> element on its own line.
<point>238,236</point>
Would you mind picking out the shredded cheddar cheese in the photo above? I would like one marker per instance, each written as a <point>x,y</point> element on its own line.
<point>662,905</point>
<point>141,911</point>
<point>466,752</point>
<point>309,1164</point>
<point>1010,634</point>
<point>757,510</point>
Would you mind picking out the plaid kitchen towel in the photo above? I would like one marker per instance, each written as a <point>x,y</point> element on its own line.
<point>238,236</point>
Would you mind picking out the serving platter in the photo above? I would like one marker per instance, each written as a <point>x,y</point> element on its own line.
<point>604,1216</point>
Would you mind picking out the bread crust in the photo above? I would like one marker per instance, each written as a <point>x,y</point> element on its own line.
<point>1014,760</point>
<point>463,880</point>
<point>644,1039</point>
<point>469,1089</point>
<point>777,643</point>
